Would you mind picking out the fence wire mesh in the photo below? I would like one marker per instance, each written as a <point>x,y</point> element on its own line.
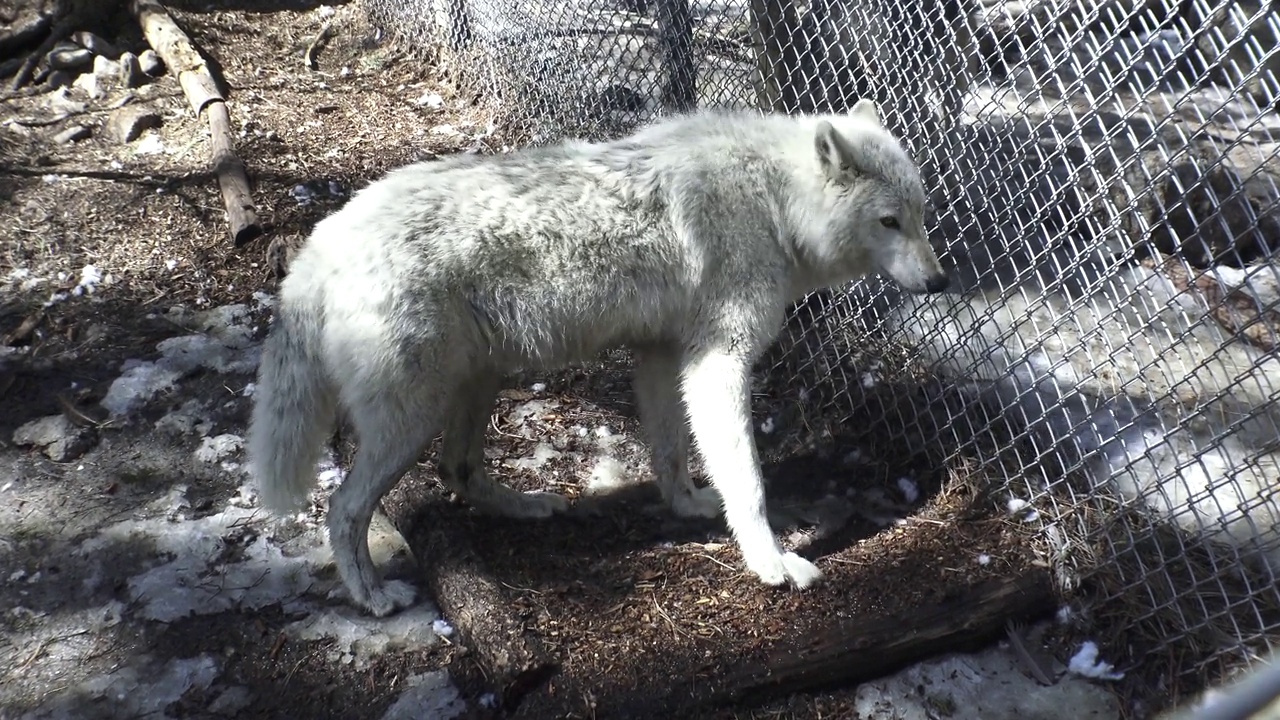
<point>1104,174</point>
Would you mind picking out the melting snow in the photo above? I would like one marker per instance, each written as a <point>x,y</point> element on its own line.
<point>442,627</point>
<point>542,453</point>
<point>608,474</point>
<point>130,691</point>
<point>228,561</point>
<point>428,695</point>
<point>1086,663</point>
<point>218,448</point>
<point>223,346</point>
<point>216,563</point>
<point>908,488</point>
<point>359,638</point>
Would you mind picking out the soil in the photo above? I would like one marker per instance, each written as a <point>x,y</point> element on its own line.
<point>621,592</point>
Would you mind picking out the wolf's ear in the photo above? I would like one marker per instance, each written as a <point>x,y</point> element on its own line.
<point>836,155</point>
<point>867,110</point>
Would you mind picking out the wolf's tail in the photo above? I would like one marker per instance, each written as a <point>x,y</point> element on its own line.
<point>294,405</point>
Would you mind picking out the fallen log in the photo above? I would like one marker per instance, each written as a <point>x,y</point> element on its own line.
<point>180,55</point>
<point>862,649</point>
<point>513,659</point>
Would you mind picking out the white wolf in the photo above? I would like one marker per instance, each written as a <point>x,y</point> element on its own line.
<point>685,241</point>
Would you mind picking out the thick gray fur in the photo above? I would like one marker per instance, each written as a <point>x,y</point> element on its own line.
<point>684,241</point>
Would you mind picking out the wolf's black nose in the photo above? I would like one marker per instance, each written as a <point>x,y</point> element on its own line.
<point>937,283</point>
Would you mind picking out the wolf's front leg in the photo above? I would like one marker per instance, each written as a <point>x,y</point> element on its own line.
<point>716,388</point>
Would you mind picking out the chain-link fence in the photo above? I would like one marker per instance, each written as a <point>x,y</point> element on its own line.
<point>1105,179</point>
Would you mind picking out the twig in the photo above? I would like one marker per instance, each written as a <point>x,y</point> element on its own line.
<point>1013,630</point>
<point>25,328</point>
<point>674,628</point>
<point>721,563</point>
<point>60,31</point>
<point>43,122</point>
<point>317,44</point>
<point>44,645</point>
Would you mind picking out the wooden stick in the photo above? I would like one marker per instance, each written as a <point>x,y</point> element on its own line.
<point>867,648</point>
<point>515,661</point>
<point>180,55</point>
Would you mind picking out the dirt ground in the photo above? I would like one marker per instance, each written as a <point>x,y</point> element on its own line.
<point>139,578</point>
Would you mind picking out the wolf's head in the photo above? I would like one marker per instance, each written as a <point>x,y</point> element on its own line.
<point>873,203</point>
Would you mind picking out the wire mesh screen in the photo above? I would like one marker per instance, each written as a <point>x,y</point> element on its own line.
<point>1104,175</point>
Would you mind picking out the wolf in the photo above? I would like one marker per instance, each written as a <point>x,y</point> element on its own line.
<point>685,242</point>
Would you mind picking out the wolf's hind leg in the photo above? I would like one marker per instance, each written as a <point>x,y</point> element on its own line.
<point>666,425</point>
<point>461,464</point>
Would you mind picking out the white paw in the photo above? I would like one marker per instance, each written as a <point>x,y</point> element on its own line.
<point>698,502</point>
<point>389,597</point>
<point>779,568</point>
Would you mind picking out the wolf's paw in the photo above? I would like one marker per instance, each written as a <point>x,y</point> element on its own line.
<point>701,502</point>
<point>786,568</point>
<point>534,505</point>
<point>389,597</point>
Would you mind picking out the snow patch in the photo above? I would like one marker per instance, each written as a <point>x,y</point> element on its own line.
<point>90,278</point>
<point>542,453</point>
<point>358,638</point>
<point>442,627</point>
<point>218,448</point>
<point>854,457</point>
<point>1022,510</point>
<point>1086,664</point>
<point>223,346</point>
<point>427,695</point>
<point>608,474</point>
<point>216,563</point>
<point>190,418</point>
<point>131,693</point>
<point>908,488</point>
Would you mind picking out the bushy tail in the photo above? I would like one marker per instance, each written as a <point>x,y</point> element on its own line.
<point>293,411</point>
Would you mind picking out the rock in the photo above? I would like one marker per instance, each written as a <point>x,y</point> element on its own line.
<point>10,66</point>
<point>72,134</point>
<point>1241,27</point>
<point>1205,209</point>
<point>88,82</point>
<point>96,43</point>
<point>107,71</point>
<point>131,74</point>
<point>151,63</point>
<point>69,58</point>
<point>127,124</point>
<point>59,79</point>
<point>57,436</point>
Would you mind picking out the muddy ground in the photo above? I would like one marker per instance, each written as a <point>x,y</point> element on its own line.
<point>137,575</point>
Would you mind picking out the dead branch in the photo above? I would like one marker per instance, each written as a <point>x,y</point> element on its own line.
<point>61,29</point>
<point>180,55</point>
<point>865,648</point>
<point>515,661</point>
<point>23,332</point>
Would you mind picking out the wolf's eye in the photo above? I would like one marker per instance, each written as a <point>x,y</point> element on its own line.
<point>890,222</point>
